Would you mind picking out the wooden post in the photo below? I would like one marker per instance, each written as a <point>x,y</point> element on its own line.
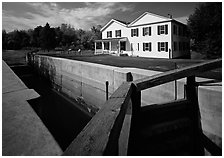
<point>136,105</point>
<point>107,84</point>
<point>125,131</point>
<point>191,95</point>
<point>129,77</point>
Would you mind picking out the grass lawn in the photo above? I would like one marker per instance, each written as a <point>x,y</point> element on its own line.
<point>142,63</point>
<point>14,57</point>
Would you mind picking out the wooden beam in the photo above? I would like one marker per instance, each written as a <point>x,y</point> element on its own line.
<point>176,74</point>
<point>101,135</point>
<point>192,96</point>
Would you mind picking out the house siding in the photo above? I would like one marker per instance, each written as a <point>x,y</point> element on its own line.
<point>177,38</point>
<point>134,45</point>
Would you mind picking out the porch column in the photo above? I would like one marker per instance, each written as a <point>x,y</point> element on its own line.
<point>102,47</point>
<point>110,46</point>
<point>119,47</point>
<point>95,48</point>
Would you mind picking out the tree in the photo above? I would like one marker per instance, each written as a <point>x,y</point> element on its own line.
<point>47,38</point>
<point>205,26</point>
<point>4,39</point>
<point>35,36</point>
<point>69,37</point>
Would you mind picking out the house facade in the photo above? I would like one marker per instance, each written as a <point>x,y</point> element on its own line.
<point>149,35</point>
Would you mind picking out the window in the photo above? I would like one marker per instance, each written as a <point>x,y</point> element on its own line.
<point>147,46</point>
<point>118,33</point>
<point>146,31</point>
<point>174,46</point>
<point>138,46</point>
<point>134,32</point>
<point>162,29</point>
<point>184,46</point>
<point>109,34</point>
<point>185,31</point>
<point>180,46</point>
<point>174,29</point>
<point>163,46</point>
<point>106,45</point>
<point>180,31</point>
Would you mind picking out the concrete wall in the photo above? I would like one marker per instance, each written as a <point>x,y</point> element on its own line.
<point>23,133</point>
<point>87,80</point>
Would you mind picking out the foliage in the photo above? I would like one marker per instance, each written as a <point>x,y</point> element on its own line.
<point>48,38</point>
<point>205,26</point>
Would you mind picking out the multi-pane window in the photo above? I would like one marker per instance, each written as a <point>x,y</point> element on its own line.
<point>163,46</point>
<point>147,46</point>
<point>174,29</point>
<point>146,31</point>
<point>174,46</point>
<point>180,46</point>
<point>118,33</point>
<point>180,31</point>
<point>134,32</point>
<point>109,34</point>
<point>162,29</point>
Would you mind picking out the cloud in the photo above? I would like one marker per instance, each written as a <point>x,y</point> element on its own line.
<point>92,13</point>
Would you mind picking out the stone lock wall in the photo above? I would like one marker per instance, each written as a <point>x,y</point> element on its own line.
<point>88,81</point>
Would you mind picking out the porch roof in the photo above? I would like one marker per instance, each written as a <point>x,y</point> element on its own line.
<point>112,39</point>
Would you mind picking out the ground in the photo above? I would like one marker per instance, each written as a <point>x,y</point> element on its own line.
<point>18,57</point>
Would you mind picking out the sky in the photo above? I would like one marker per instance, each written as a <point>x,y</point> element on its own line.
<point>84,15</point>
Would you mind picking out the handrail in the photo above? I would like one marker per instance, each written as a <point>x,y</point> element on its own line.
<point>104,128</point>
<point>176,74</point>
<point>101,135</point>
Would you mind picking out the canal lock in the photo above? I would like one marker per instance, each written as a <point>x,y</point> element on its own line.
<point>64,117</point>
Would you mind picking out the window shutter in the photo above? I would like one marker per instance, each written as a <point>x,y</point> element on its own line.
<point>131,32</point>
<point>166,29</point>
<point>159,46</point>
<point>166,47</point>
<point>158,29</point>
<point>150,46</point>
<point>143,46</point>
<point>137,32</point>
<point>149,31</point>
<point>143,31</point>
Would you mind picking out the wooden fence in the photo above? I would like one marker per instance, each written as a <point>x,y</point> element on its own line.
<point>108,131</point>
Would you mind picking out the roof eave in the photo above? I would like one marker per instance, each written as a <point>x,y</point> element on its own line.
<point>105,26</point>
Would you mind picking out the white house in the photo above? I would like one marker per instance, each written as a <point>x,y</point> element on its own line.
<point>149,35</point>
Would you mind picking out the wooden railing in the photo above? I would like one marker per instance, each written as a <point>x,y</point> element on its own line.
<point>108,131</point>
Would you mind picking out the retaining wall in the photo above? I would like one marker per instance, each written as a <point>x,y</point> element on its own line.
<point>88,81</point>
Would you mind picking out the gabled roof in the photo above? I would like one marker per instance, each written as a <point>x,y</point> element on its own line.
<point>114,20</point>
<point>124,22</point>
<point>128,24</point>
<point>163,17</point>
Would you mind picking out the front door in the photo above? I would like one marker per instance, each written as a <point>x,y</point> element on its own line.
<point>123,45</point>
